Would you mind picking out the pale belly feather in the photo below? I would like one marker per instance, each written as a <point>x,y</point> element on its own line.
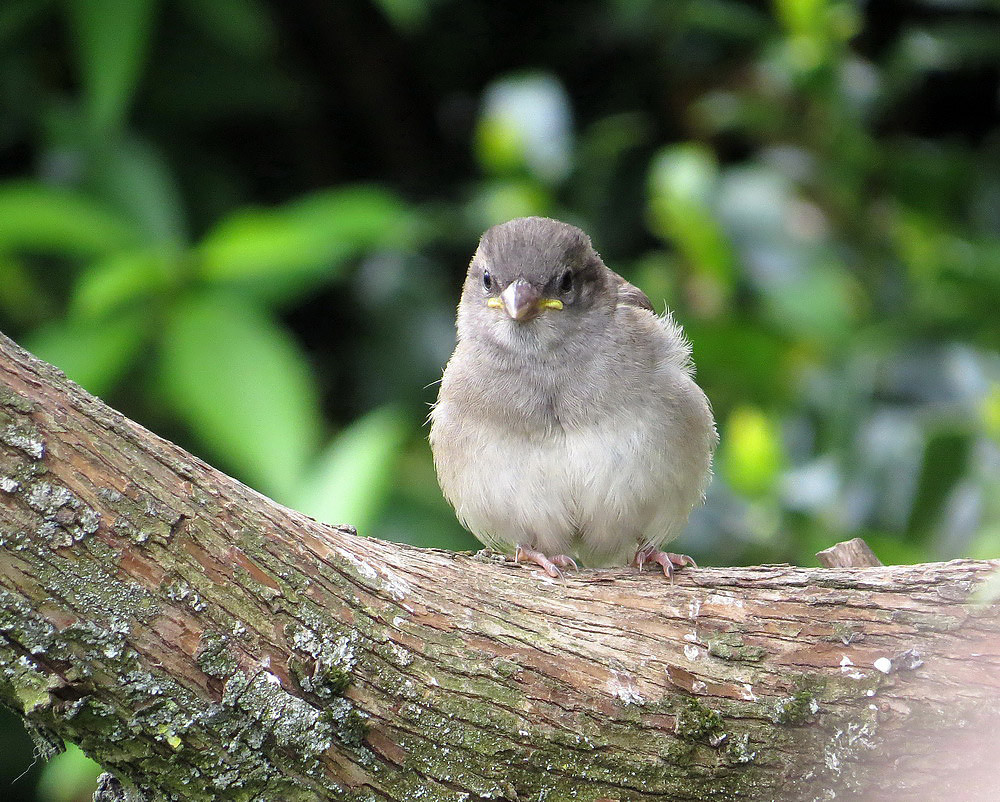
<point>595,492</point>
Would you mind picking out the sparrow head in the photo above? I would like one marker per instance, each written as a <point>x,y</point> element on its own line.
<point>534,280</point>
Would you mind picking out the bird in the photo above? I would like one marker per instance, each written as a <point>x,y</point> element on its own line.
<point>568,425</point>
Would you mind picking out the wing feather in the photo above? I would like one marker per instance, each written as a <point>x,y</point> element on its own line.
<point>630,295</point>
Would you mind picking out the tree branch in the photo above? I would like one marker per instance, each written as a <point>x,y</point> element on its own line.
<point>201,641</point>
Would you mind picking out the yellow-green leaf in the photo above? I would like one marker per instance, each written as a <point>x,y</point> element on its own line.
<point>350,480</point>
<point>244,387</point>
<point>751,452</point>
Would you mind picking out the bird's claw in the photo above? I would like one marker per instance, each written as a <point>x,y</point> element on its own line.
<point>667,560</point>
<point>524,554</point>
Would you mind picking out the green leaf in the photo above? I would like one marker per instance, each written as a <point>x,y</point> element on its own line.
<point>311,237</point>
<point>95,354</point>
<point>683,181</point>
<point>740,362</point>
<point>134,176</point>
<point>802,16</point>
<point>751,453</point>
<point>989,411</point>
<point>110,38</point>
<point>726,19</point>
<point>68,777</point>
<point>244,387</point>
<point>242,26</point>
<point>352,477</point>
<point>814,27</point>
<point>409,16</point>
<point>526,125</point>
<point>500,200</point>
<point>819,303</point>
<point>119,168</point>
<point>121,279</point>
<point>37,217</point>
<point>24,299</point>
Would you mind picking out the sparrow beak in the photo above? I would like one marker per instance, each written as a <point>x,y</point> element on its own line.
<point>522,301</point>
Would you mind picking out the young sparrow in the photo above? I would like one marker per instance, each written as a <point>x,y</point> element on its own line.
<point>568,423</point>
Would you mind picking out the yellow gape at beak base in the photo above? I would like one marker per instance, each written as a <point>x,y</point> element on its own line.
<point>545,303</point>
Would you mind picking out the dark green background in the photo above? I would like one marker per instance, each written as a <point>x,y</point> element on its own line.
<point>245,223</point>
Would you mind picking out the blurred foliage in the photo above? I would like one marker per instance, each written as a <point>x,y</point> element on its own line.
<point>245,224</point>
<point>68,777</point>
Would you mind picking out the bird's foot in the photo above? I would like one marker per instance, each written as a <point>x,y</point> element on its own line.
<point>524,554</point>
<point>667,560</point>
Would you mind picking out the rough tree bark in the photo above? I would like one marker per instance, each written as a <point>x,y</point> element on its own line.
<point>203,642</point>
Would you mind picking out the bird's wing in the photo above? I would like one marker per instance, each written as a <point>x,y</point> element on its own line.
<point>630,295</point>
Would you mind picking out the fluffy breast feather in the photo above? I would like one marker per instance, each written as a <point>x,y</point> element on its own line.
<point>612,464</point>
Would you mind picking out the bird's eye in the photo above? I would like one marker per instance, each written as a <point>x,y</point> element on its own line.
<point>487,281</point>
<point>566,282</point>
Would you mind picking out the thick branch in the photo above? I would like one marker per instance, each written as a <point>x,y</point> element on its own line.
<point>201,641</point>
